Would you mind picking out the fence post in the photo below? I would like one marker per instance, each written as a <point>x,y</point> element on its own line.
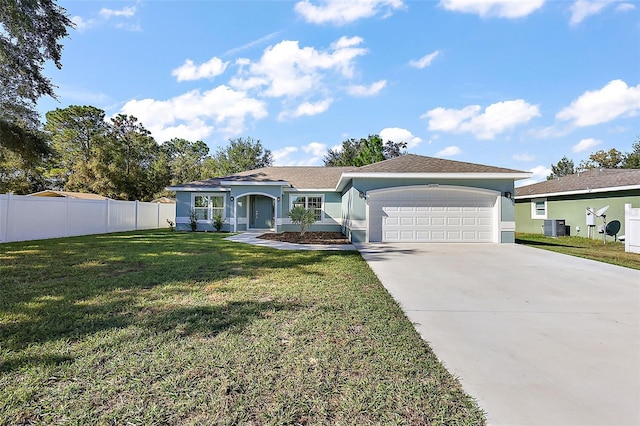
<point>627,227</point>
<point>158,205</point>
<point>107,216</point>
<point>66,216</point>
<point>136,215</point>
<point>4,226</point>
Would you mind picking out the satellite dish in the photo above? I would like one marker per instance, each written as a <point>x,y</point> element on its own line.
<point>613,228</point>
<point>600,212</point>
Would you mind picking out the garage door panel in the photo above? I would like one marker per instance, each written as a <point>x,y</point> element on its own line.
<point>435,216</point>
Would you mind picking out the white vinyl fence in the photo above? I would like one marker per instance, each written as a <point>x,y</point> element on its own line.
<point>631,229</point>
<point>24,218</point>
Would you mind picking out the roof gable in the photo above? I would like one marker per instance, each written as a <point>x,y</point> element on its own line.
<point>600,180</point>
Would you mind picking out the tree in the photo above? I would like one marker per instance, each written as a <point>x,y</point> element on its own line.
<point>364,151</point>
<point>132,162</point>
<point>563,168</point>
<point>241,154</point>
<point>186,159</point>
<point>632,159</point>
<point>20,175</point>
<point>29,37</point>
<point>77,133</point>
<point>611,159</point>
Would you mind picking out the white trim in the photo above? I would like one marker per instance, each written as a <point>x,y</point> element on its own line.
<point>204,189</point>
<point>534,212</point>
<point>210,209</point>
<point>508,226</point>
<point>294,190</point>
<point>580,191</point>
<point>307,195</point>
<point>458,176</point>
<point>254,183</point>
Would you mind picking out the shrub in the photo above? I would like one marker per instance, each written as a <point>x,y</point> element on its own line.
<point>302,217</point>
<point>193,220</point>
<point>218,222</point>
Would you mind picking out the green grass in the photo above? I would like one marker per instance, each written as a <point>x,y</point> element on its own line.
<point>187,328</point>
<point>594,249</point>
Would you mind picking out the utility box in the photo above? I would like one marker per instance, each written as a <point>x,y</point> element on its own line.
<point>554,228</point>
<point>591,218</point>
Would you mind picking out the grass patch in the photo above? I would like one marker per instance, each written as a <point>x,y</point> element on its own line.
<point>156,327</point>
<point>612,252</point>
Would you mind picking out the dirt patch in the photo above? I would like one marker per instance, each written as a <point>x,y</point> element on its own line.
<point>308,237</point>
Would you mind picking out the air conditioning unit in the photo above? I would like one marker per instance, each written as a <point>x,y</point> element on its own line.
<point>554,228</point>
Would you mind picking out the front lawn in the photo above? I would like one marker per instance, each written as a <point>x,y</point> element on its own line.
<point>594,249</point>
<point>157,327</point>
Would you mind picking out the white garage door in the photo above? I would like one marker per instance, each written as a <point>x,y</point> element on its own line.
<point>433,215</point>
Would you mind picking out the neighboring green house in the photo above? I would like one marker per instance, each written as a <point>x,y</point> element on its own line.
<point>569,197</point>
<point>409,198</point>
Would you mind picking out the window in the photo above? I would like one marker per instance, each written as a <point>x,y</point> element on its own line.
<point>313,202</point>
<point>539,208</point>
<point>208,206</point>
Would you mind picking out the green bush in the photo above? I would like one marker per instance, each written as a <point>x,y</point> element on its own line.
<point>302,217</point>
<point>218,222</point>
<point>193,220</point>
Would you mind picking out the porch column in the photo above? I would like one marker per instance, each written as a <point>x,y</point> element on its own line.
<point>275,214</point>
<point>235,215</point>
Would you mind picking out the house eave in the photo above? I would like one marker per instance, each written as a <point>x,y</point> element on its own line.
<point>345,177</point>
<point>198,189</point>
<point>254,183</point>
<point>578,192</point>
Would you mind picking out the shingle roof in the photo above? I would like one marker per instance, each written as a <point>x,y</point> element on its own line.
<point>412,163</point>
<point>299,177</point>
<point>70,194</point>
<point>583,182</point>
<point>328,177</point>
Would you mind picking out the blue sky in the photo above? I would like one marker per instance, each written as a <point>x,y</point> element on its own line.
<point>508,83</point>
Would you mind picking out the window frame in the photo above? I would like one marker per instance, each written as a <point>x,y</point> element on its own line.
<point>306,203</point>
<point>534,208</point>
<point>210,208</point>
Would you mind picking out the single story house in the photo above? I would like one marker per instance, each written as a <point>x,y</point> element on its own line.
<point>568,198</point>
<point>409,198</point>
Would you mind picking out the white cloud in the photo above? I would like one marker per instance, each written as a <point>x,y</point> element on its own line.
<point>497,118</point>
<point>449,151</point>
<point>582,9</point>
<point>307,108</point>
<point>585,145</point>
<point>364,91</point>
<point>340,12</point>
<point>282,157</point>
<point>190,71</point>
<point>526,157</point>
<point>125,12</point>
<point>540,174</point>
<point>288,70</point>
<point>497,8</point>
<point>81,23</point>
<point>425,61</point>
<point>252,44</point>
<point>313,155</point>
<point>625,7</point>
<point>614,100</point>
<point>222,110</point>
<point>316,149</point>
<point>397,134</point>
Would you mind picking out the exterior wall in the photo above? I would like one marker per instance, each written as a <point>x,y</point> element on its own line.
<point>359,206</point>
<point>332,221</point>
<point>573,210</point>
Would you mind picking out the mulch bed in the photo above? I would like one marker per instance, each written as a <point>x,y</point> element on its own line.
<point>308,237</point>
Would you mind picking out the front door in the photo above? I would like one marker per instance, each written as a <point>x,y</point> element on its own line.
<point>261,212</point>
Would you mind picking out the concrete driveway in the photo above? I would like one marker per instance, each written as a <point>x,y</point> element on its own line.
<point>538,338</point>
